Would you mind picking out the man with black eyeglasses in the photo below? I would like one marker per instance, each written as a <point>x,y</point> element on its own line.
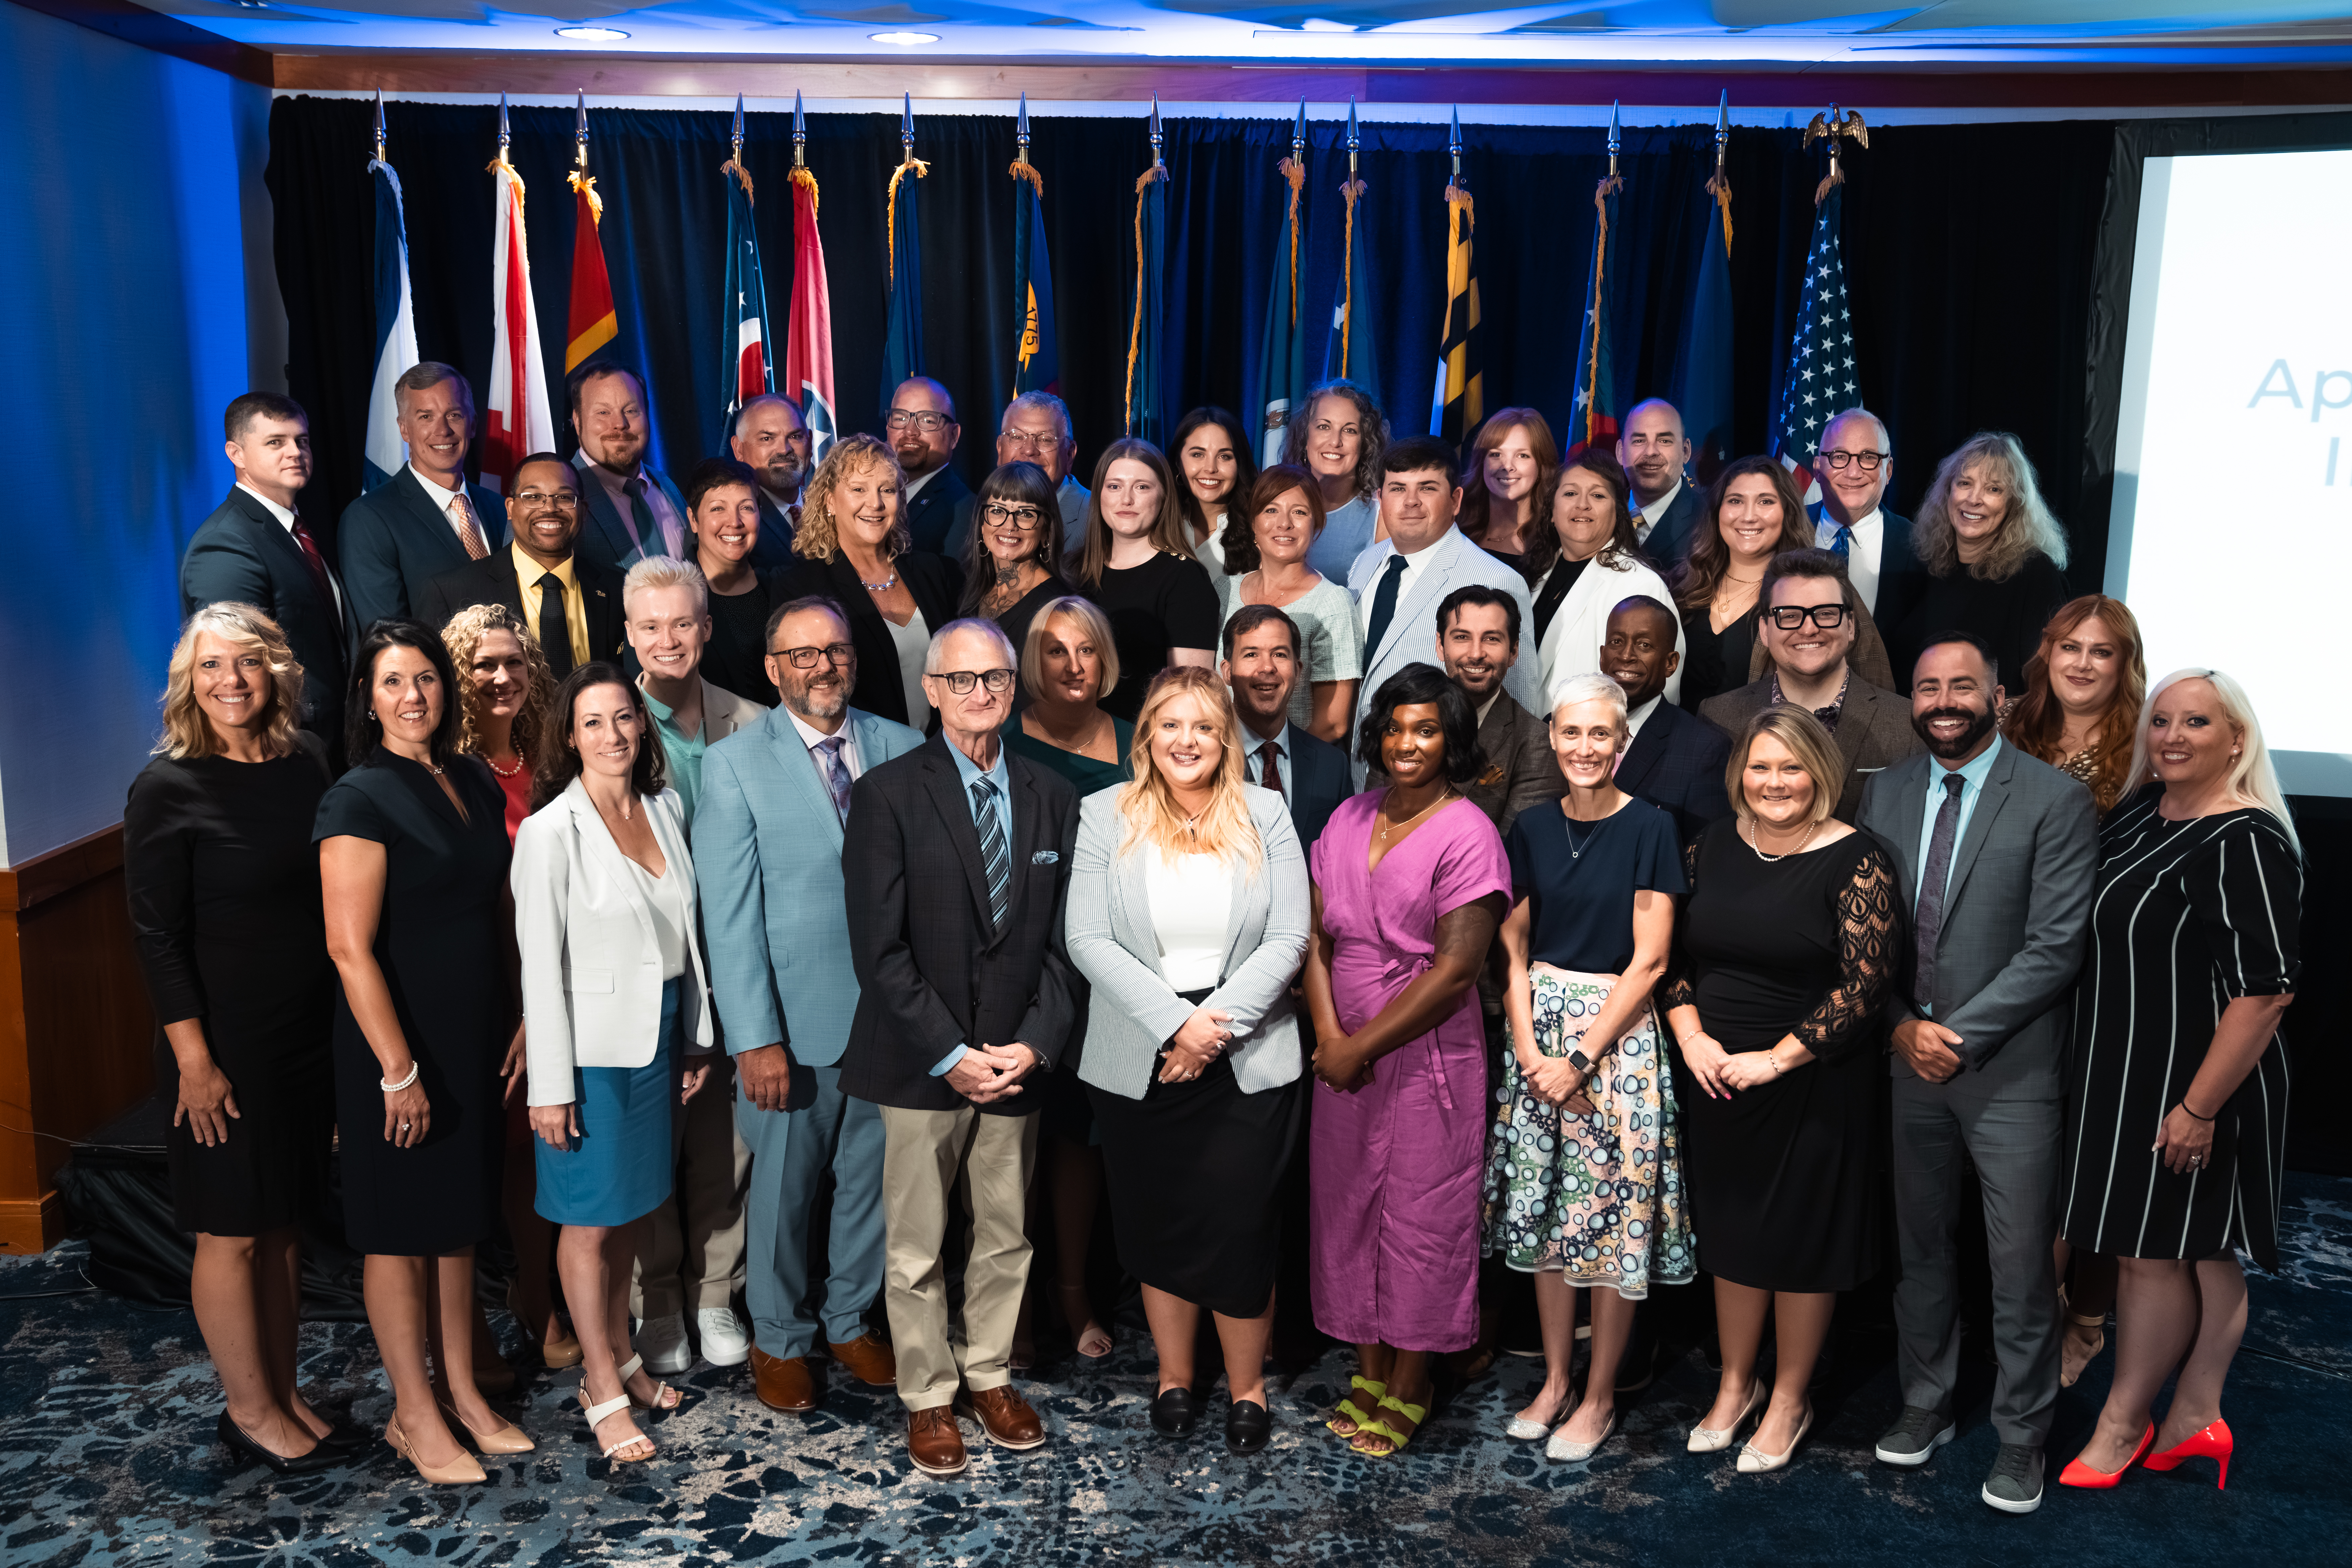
<point>768,835</point>
<point>923,431</point>
<point>1854,464</point>
<point>571,603</point>
<point>1806,624</point>
<point>1035,429</point>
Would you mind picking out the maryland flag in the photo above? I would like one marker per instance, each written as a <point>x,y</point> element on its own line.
<point>593,322</point>
<point>1458,404</point>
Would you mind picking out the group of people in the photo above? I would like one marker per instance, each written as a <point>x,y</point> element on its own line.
<point>680,874</point>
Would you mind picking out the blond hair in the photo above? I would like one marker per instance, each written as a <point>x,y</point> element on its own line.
<point>187,731</point>
<point>2253,779</point>
<point>1148,805</point>
<point>1098,629</point>
<point>462,637</point>
<point>818,538</point>
<point>656,571</point>
<point>2026,525</point>
<point>1807,740</point>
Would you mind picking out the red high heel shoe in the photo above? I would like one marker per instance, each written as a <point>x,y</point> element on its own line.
<point>2078,1474</point>
<point>2213,1442</point>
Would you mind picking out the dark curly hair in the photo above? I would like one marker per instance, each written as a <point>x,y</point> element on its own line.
<point>1412,687</point>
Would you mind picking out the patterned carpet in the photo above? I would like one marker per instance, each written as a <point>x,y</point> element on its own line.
<point>106,1457</point>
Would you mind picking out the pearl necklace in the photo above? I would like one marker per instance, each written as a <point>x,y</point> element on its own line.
<point>1775,859</point>
<point>504,773</point>
<point>881,587</point>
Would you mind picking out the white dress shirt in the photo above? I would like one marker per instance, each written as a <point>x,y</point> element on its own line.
<point>1641,716</point>
<point>285,517</point>
<point>1864,551</point>
<point>812,738</point>
<point>916,482</point>
<point>1645,518</point>
<point>447,501</point>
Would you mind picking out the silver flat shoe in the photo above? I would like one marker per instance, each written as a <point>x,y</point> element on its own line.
<point>1707,1440</point>
<point>1755,1461</point>
<point>1526,1431</point>
<point>1559,1450</point>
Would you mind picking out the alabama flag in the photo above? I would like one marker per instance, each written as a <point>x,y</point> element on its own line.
<point>516,421</point>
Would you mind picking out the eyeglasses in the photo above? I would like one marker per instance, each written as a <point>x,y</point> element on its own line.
<point>840,655</point>
<point>960,681</point>
<point>1030,440</point>
<point>929,423</point>
<point>1788,617</point>
<point>1869,460</point>
<point>562,500</point>
<point>1023,518</point>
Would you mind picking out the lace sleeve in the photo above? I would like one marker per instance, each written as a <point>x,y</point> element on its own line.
<point>1676,989</point>
<point>1869,929</point>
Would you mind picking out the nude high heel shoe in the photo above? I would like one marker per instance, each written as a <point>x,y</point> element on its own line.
<point>459,1472</point>
<point>508,1439</point>
<point>1707,1440</point>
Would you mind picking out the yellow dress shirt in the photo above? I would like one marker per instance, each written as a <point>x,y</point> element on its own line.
<point>576,610</point>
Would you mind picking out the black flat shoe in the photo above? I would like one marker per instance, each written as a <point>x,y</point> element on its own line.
<point>232,1438</point>
<point>1247,1426</point>
<point>1172,1414</point>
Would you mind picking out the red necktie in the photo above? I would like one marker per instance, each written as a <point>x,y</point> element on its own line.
<point>317,564</point>
<point>1269,762</point>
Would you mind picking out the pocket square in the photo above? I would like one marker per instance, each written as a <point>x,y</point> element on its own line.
<point>1046,857</point>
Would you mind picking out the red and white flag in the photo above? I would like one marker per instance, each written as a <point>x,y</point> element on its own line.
<point>516,421</point>
<point>808,328</point>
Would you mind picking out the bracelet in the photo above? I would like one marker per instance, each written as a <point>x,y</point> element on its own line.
<point>2184,1105</point>
<point>386,1084</point>
<point>1774,1057</point>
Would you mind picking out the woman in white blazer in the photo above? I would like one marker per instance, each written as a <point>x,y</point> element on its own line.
<point>615,999</point>
<point>1188,912</point>
<point>1585,566</point>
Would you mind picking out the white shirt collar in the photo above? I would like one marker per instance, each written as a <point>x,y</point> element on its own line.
<point>1640,716</point>
<point>284,515</point>
<point>813,737</point>
<point>441,495</point>
<point>1657,509</point>
<point>915,484</point>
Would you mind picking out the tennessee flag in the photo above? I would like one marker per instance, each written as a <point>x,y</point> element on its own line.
<point>808,328</point>
<point>517,421</point>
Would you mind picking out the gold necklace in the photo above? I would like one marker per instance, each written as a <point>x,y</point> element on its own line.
<point>1443,797</point>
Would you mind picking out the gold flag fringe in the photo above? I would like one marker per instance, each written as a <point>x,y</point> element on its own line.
<point>802,176</point>
<point>1719,187</point>
<point>1022,169</point>
<point>741,174</point>
<point>1836,176</point>
<point>1459,196</point>
<point>1158,170</point>
<point>891,222</point>
<point>1590,371</point>
<point>1296,172</point>
<point>498,163</point>
<point>1351,191</point>
<point>586,186</point>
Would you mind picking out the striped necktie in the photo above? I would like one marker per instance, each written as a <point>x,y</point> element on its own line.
<point>995,855</point>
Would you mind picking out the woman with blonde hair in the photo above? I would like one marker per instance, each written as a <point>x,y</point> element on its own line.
<point>2084,687</point>
<point>1511,473</point>
<point>2177,1107</point>
<point>216,855</point>
<point>1131,557</point>
<point>1992,561</point>
<point>1188,913</point>
<point>855,549</point>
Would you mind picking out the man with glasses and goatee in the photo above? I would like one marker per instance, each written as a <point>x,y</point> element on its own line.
<point>923,432</point>
<point>1854,466</point>
<point>958,861</point>
<point>767,835</point>
<point>1807,621</point>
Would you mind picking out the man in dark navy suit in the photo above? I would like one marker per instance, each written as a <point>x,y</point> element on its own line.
<point>1674,761</point>
<point>923,431</point>
<point>571,604</point>
<point>1854,466</point>
<point>1668,503</point>
<point>1261,664</point>
<point>255,550</point>
<point>426,518</point>
<point>627,512</point>
<point>773,440</point>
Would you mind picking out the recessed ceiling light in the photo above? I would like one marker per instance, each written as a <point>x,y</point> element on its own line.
<point>592,35</point>
<point>904,37</point>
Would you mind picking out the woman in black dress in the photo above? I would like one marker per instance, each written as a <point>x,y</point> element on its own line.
<point>855,549</point>
<point>1753,513</point>
<point>1013,567</point>
<point>1782,962</point>
<point>2193,960</point>
<point>1131,559</point>
<point>722,506</point>
<point>413,856</point>
<point>1991,561</point>
<point>219,868</point>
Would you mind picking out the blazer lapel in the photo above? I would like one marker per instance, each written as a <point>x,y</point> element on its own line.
<point>1647,748</point>
<point>797,766</point>
<point>1980,824</point>
<point>945,782</point>
<point>410,491</point>
<point>601,514</point>
<point>1416,606</point>
<point>596,842</point>
<point>1910,807</point>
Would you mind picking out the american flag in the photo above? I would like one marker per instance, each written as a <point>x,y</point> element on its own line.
<point>1821,378</point>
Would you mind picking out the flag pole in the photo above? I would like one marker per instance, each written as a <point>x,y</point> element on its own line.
<point>1350,192</point>
<point>1720,186</point>
<point>1141,367</point>
<point>800,134</point>
<point>379,125</point>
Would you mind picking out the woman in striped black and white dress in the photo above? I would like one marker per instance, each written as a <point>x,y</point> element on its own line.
<point>2177,1110</point>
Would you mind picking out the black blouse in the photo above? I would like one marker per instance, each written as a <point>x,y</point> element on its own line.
<point>1166,602</point>
<point>2009,614</point>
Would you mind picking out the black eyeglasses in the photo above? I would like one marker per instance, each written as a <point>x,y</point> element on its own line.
<point>562,500</point>
<point>960,681</point>
<point>1788,617</point>
<point>929,424</point>
<point>1023,518</point>
<point>1869,460</point>
<point>840,654</point>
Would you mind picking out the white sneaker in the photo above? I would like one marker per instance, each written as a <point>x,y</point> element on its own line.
<point>662,1341</point>
<point>724,1342</point>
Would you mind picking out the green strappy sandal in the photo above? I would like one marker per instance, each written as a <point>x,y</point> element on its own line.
<point>1346,1420</point>
<point>1386,1430</point>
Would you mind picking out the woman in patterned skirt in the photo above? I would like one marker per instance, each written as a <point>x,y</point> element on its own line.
<point>2179,1100</point>
<point>1584,1173</point>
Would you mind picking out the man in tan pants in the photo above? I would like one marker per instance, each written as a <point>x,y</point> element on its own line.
<point>957,856</point>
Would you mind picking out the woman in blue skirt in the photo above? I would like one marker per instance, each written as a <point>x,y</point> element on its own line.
<point>617,1015</point>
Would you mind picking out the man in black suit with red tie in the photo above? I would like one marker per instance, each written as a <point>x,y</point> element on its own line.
<point>956,858</point>
<point>255,550</point>
<point>1674,761</point>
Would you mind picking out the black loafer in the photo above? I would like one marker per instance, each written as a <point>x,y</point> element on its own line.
<point>1247,1426</point>
<point>319,1458</point>
<point>1172,1414</point>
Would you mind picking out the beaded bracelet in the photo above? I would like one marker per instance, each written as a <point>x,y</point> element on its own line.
<point>386,1084</point>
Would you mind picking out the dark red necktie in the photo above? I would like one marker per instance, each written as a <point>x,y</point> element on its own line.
<point>317,564</point>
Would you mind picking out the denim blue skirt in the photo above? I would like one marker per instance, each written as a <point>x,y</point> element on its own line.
<point>618,1169</point>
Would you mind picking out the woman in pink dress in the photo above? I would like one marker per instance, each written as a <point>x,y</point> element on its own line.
<point>1410,885</point>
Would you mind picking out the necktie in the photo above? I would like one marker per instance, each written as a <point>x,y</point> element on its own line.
<point>837,773</point>
<point>1270,766</point>
<point>318,566</point>
<point>554,627</point>
<point>1843,546</point>
<point>470,533</point>
<point>640,517</point>
<point>1927,918</point>
<point>1384,598</point>
<point>995,856</point>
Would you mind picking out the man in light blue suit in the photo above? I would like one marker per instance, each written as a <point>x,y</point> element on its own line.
<point>767,855</point>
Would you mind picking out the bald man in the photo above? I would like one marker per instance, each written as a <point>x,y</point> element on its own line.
<point>1667,505</point>
<point>773,440</point>
<point>922,430</point>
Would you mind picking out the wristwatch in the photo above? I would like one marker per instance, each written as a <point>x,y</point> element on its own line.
<point>1579,1061</point>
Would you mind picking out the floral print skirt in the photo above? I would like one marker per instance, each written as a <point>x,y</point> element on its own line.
<point>1597,1197</point>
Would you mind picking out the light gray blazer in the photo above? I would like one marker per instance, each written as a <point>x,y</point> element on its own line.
<point>1110,939</point>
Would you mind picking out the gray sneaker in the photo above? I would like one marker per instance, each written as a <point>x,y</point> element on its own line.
<point>1916,1437</point>
<point>2015,1484</point>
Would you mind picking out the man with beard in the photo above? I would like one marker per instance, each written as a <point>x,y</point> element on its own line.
<point>1807,623</point>
<point>1261,665</point>
<point>1667,507</point>
<point>1997,856</point>
<point>627,510</point>
<point>1672,761</point>
<point>573,605</point>
<point>1478,642</point>
<point>923,431</point>
<point>773,440</point>
<point>767,860</point>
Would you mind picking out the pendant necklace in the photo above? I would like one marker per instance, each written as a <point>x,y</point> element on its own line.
<point>1443,797</point>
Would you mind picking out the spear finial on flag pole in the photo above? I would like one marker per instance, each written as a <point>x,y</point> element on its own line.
<point>907,122</point>
<point>379,125</point>
<point>1722,127</point>
<point>1020,128</point>
<point>800,134</point>
<point>1155,131</point>
<point>503,136</point>
<point>736,135</point>
<point>1453,144</point>
<point>1353,141</point>
<point>1616,140</point>
<point>579,132</point>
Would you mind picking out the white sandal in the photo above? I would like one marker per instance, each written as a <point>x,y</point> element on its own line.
<point>611,1407</point>
<point>629,1368</point>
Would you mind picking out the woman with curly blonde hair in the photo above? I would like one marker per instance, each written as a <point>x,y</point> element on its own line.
<point>505,682</point>
<point>1991,561</point>
<point>855,549</point>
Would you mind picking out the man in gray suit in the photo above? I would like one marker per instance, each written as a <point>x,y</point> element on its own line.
<point>1997,854</point>
<point>767,860</point>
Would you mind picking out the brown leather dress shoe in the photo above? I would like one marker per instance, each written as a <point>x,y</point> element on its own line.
<point>868,1359</point>
<point>933,1443</point>
<point>783,1382</point>
<point>1007,1419</point>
